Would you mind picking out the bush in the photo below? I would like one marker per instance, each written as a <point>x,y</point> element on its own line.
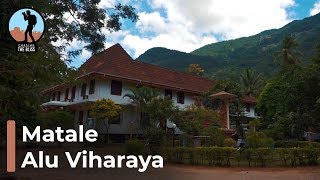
<point>291,144</point>
<point>216,136</point>
<point>57,118</point>
<point>155,138</point>
<point>229,142</point>
<point>224,156</point>
<point>259,140</point>
<point>134,147</point>
<point>218,156</point>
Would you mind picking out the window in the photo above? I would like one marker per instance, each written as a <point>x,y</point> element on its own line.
<point>53,98</point>
<point>73,92</point>
<point>180,97</point>
<point>92,86</point>
<point>168,93</point>
<point>66,96</point>
<point>80,119</point>
<point>83,89</point>
<point>248,107</point>
<point>116,87</point>
<point>59,94</point>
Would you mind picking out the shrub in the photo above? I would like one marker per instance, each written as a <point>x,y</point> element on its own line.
<point>263,155</point>
<point>291,144</point>
<point>228,142</point>
<point>216,136</point>
<point>284,155</point>
<point>155,138</point>
<point>57,118</point>
<point>134,147</point>
<point>259,140</point>
<point>223,156</point>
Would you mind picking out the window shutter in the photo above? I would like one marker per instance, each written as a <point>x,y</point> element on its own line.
<point>59,94</point>
<point>168,93</point>
<point>83,89</point>
<point>66,96</point>
<point>73,93</point>
<point>116,87</point>
<point>180,97</point>
<point>92,86</point>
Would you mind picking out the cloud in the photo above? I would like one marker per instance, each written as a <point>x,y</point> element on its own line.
<point>231,19</point>
<point>186,25</point>
<point>151,22</point>
<point>316,9</point>
<point>106,3</point>
<point>189,24</point>
<point>170,41</point>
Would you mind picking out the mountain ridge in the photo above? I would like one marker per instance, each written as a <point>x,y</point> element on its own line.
<point>228,58</point>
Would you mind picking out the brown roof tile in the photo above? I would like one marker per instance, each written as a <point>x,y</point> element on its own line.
<point>249,100</point>
<point>115,62</point>
<point>223,95</point>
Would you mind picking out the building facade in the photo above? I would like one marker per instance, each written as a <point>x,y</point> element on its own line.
<point>110,75</point>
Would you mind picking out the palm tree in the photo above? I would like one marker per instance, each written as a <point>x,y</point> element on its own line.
<point>289,53</point>
<point>251,82</point>
<point>140,96</point>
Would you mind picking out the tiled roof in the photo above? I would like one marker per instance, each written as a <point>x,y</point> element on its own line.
<point>223,95</point>
<point>249,100</point>
<point>115,62</point>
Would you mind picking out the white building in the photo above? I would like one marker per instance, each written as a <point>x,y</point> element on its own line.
<point>249,112</point>
<point>110,75</point>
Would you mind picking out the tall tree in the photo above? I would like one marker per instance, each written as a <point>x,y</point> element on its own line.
<point>107,111</point>
<point>289,54</point>
<point>251,82</point>
<point>140,97</point>
<point>23,76</point>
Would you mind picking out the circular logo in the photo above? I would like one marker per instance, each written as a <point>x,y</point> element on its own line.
<point>26,25</point>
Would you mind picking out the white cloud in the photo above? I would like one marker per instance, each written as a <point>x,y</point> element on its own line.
<point>186,25</point>
<point>106,3</point>
<point>191,24</point>
<point>170,41</point>
<point>230,18</point>
<point>316,9</point>
<point>151,22</point>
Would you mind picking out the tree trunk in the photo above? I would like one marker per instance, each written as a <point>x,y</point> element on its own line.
<point>106,137</point>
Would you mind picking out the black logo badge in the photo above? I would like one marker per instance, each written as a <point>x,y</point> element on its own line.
<point>26,27</point>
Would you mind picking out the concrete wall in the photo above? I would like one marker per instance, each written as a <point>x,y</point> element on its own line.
<point>129,117</point>
<point>103,90</point>
<point>250,113</point>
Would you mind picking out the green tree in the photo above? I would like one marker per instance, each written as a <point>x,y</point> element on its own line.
<point>158,111</point>
<point>107,111</point>
<point>140,97</point>
<point>193,120</point>
<point>216,136</point>
<point>57,118</point>
<point>24,76</point>
<point>288,102</point>
<point>254,124</point>
<point>251,82</point>
<point>73,20</point>
<point>289,53</point>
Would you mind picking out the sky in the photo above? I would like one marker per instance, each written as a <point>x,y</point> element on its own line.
<point>186,25</point>
<point>17,20</point>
